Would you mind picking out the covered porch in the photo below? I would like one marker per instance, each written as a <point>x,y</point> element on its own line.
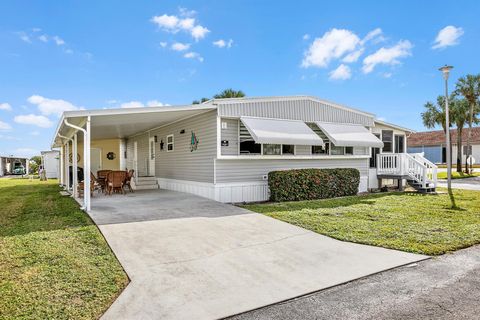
<point>98,139</point>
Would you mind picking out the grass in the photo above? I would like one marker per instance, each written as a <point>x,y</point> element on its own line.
<point>54,263</point>
<point>403,221</point>
<point>457,175</point>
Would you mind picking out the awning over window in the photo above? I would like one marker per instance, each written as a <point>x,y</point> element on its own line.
<point>349,135</point>
<point>279,131</point>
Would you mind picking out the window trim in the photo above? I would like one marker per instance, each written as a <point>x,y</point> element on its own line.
<point>172,143</point>
<point>392,141</point>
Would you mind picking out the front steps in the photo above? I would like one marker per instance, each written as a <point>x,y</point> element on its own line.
<point>429,186</point>
<point>145,183</point>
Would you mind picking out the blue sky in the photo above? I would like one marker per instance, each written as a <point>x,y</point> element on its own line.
<point>380,56</point>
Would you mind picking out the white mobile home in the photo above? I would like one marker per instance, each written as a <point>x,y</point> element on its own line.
<point>224,149</point>
<point>50,163</point>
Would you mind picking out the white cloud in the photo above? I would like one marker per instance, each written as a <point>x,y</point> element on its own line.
<point>5,106</point>
<point>58,41</point>
<point>174,24</point>
<point>222,43</point>
<point>138,104</point>
<point>156,103</point>
<point>26,152</point>
<point>43,38</point>
<point>69,51</point>
<point>332,45</point>
<point>51,106</point>
<point>388,56</point>
<point>24,37</point>
<point>353,56</point>
<point>178,46</point>
<point>376,36</point>
<point>5,126</point>
<point>193,55</point>
<point>32,119</point>
<point>343,72</point>
<point>198,32</point>
<point>35,133</point>
<point>163,44</point>
<point>387,75</point>
<point>448,36</point>
<point>306,36</point>
<point>36,29</point>
<point>132,104</point>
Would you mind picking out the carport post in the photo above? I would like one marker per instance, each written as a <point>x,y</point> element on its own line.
<point>27,166</point>
<point>67,164</point>
<point>75,165</point>
<point>86,160</point>
<point>61,165</point>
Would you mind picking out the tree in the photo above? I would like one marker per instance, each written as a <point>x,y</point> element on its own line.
<point>34,163</point>
<point>435,115</point>
<point>469,88</point>
<point>229,93</point>
<point>459,110</point>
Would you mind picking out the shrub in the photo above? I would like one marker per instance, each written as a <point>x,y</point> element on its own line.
<point>310,184</point>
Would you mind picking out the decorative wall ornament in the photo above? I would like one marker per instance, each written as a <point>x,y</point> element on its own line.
<point>161,144</point>
<point>111,155</point>
<point>193,142</point>
<point>70,158</point>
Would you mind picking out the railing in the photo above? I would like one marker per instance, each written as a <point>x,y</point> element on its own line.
<point>415,166</point>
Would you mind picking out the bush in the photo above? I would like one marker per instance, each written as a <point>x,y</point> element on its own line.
<point>310,184</point>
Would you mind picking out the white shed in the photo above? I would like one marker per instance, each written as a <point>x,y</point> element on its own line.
<point>50,163</point>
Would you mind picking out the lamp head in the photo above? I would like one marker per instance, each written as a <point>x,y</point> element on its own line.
<point>446,71</point>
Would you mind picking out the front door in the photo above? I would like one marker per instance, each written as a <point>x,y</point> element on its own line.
<point>95,160</point>
<point>399,143</point>
<point>151,156</point>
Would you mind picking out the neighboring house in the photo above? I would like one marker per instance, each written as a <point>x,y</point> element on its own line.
<point>432,143</point>
<point>224,149</point>
<point>11,165</point>
<point>50,163</point>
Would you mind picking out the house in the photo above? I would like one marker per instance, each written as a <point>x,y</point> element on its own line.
<point>12,165</point>
<point>432,143</point>
<point>224,149</point>
<point>50,163</point>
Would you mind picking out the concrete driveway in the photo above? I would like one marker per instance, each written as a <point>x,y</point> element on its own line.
<point>193,258</point>
<point>467,183</point>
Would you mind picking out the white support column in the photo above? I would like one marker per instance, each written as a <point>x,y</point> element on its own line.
<point>62,166</point>
<point>75,165</point>
<point>67,166</point>
<point>86,164</point>
<point>27,166</point>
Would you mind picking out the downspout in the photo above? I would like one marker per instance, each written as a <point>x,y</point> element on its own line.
<point>86,162</point>
<point>67,163</point>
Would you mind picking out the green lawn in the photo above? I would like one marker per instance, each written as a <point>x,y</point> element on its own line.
<point>457,175</point>
<point>403,221</point>
<point>54,263</point>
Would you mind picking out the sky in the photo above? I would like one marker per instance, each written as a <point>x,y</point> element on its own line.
<point>378,56</point>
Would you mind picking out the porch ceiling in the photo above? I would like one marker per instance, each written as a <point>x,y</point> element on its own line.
<point>122,123</point>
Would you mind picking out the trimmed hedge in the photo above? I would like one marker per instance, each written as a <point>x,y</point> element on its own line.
<point>311,184</point>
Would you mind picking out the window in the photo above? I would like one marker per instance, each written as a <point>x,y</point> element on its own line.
<point>288,149</point>
<point>349,150</point>
<point>399,144</point>
<point>321,149</point>
<point>170,143</point>
<point>465,151</point>
<point>272,149</point>
<point>387,139</point>
<point>250,147</point>
<point>337,150</point>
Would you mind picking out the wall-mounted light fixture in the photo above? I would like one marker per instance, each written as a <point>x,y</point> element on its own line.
<point>156,140</point>
<point>182,131</point>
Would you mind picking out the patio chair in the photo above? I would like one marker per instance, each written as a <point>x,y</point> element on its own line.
<point>128,180</point>
<point>102,177</point>
<point>93,186</point>
<point>115,181</point>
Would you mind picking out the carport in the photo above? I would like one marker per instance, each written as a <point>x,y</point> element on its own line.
<point>85,126</point>
<point>189,257</point>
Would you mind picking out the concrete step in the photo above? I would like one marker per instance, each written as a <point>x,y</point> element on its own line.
<point>145,182</point>
<point>146,187</point>
<point>152,179</point>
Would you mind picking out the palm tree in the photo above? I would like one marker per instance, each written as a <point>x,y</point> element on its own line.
<point>435,115</point>
<point>459,111</point>
<point>229,93</point>
<point>469,88</point>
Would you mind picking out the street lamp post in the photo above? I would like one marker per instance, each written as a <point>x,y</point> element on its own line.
<point>446,72</point>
